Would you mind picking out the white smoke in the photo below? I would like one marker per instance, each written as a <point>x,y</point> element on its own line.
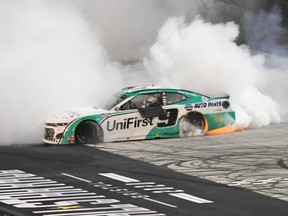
<point>130,27</point>
<point>265,32</point>
<point>204,57</point>
<point>50,60</point>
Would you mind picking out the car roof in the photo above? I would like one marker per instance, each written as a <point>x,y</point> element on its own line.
<point>140,89</point>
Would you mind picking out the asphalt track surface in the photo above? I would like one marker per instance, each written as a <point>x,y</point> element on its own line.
<point>244,173</point>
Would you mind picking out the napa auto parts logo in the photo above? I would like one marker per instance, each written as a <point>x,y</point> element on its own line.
<point>208,104</point>
<point>224,104</point>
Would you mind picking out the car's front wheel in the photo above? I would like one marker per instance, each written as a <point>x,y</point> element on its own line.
<point>192,124</point>
<point>88,132</point>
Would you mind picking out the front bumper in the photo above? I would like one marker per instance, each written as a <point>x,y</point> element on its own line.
<point>53,133</point>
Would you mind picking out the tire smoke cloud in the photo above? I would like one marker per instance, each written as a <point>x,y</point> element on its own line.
<point>265,33</point>
<point>50,60</point>
<point>205,57</point>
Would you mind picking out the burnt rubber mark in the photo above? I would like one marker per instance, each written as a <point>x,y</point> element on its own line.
<point>282,164</point>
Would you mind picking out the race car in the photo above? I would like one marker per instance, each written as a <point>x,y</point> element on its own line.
<point>143,112</point>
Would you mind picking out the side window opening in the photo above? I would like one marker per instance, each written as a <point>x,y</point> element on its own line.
<point>174,97</point>
<point>128,105</point>
<point>143,101</point>
<point>152,100</point>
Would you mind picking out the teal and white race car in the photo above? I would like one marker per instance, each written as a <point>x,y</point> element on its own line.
<point>143,112</point>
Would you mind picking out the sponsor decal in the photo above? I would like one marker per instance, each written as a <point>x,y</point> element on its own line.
<point>208,104</point>
<point>214,104</point>
<point>132,122</point>
<point>200,105</point>
<point>188,107</point>
<point>225,104</point>
<point>218,118</point>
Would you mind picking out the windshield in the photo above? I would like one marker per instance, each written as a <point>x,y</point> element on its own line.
<point>117,98</point>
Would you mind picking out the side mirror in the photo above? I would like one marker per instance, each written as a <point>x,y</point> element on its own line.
<point>117,109</point>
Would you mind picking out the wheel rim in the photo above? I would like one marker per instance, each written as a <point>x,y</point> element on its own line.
<point>198,121</point>
<point>192,124</point>
<point>87,133</point>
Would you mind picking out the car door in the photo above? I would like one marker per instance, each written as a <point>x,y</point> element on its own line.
<point>150,115</point>
<point>167,125</point>
<point>128,121</point>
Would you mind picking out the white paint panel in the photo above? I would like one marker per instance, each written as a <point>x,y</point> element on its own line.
<point>190,198</point>
<point>162,203</point>
<point>118,177</point>
<point>75,177</point>
<point>127,126</point>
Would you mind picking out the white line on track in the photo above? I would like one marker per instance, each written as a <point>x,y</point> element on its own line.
<point>157,188</point>
<point>75,177</point>
<point>162,203</point>
<point>138,184</point>
<point>119,177</point>
<point>190,198</point>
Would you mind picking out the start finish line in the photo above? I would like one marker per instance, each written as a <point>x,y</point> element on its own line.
<point>50,198</point>
<point>156,188</point>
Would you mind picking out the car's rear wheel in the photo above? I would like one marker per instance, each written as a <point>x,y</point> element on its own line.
<point>88,132</point>
<point>192,124</point>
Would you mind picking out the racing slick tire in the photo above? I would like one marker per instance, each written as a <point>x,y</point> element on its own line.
<point>192,124</point>
<point>88,132</point>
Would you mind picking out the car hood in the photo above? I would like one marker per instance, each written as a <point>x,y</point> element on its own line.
<point>70,115</point>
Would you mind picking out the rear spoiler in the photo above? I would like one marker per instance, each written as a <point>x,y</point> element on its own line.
<point>218,96</point>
